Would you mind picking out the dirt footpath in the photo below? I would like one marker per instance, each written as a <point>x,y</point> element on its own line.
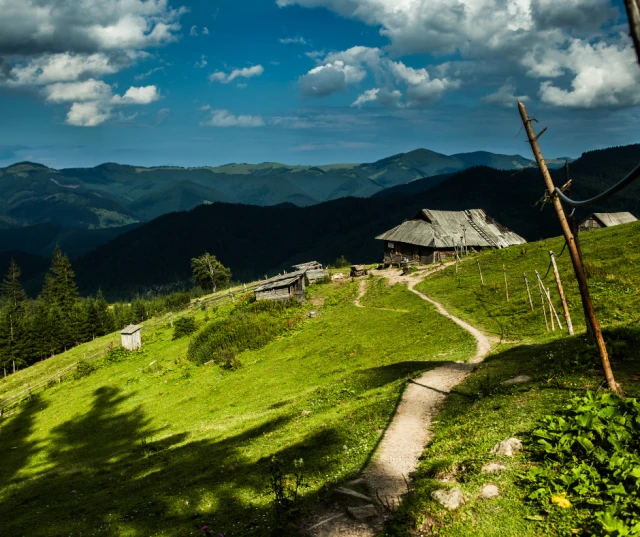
<point>387,475</point>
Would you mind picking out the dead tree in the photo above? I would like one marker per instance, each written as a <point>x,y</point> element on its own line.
<point>573,250</point>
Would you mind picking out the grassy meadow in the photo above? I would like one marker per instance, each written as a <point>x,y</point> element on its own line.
<point>151,444</point>
<point>481,412</point>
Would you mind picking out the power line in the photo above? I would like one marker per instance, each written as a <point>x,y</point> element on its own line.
<point>630,178</point>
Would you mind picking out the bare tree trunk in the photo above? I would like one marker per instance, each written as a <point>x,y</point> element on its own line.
<point>573,250</point>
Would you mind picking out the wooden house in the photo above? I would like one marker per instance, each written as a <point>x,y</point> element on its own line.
<point>600,220</point>
<point>314,270</point>
<point>283,287</point>
<point>132,337</point>
<point>432,236</point>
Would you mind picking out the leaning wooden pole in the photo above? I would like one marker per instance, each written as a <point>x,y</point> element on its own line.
<point>542,301</point>
<point>506,283</point>
<point>480,272</point>
<point>563,298</point>
<point>573,251</point>
<point>526,282</point>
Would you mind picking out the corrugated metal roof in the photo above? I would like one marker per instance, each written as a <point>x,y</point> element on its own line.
<point>614,219</point>
<point>283,280</point>
<point>446,229</point>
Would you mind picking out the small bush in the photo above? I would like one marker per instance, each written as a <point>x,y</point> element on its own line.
<point>84,369</point>
<point>251,327</point>
<point>183,326</point>
<point>341,262</point>
<point>324,280</point>
<point>588,470</point>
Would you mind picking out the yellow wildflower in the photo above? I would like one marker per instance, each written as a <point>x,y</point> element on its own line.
<point>561,500</point>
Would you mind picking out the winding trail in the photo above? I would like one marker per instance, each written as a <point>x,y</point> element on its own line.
<point>387,475</point>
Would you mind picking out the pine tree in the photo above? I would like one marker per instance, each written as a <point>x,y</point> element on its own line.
<point>59,285</point>
<point>12,319</point>
<point>105,318</point>
<point>60,294</point>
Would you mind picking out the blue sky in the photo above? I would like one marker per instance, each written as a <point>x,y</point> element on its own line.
<point>308,81</point>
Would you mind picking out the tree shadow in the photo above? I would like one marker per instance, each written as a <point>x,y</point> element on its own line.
<point>110,471</point>
<point>16,447</point>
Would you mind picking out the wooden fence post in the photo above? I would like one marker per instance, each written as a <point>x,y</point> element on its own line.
<point>565,306</point>
<point>480,271</point>
<point>553,308</point>
<point>59,378</point>
<point>29,388</point>
<point>506,284</point>
<point>573,250</point>
<point>542,298</point>
<point>526,282</point>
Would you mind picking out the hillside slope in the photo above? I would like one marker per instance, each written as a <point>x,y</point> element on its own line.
<point>150,444</point>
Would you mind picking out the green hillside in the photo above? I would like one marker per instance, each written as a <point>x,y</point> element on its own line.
<point>151,444</point>
<point>482,412</point>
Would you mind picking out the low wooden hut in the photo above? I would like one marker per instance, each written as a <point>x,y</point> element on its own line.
<point>283,287</point>
<point>600,220</point>
<point>314,270</point>
<point>432,236</point>
<point>132,337</point>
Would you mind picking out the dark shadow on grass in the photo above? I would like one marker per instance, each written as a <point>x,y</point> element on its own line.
<point>16,448</point>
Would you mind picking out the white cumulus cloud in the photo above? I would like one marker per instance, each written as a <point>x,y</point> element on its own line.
<point>225,119</point>
<point>140,95</point>
<point>505,96</point>
<point>89,114</point>
<point>89,90</point>
<point>570,43</point>
<point>247,72</point>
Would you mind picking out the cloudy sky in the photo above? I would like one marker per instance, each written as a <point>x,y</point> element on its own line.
<point>191,83</point>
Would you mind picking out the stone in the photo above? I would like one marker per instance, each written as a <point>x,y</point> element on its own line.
<point>360,513</point>
<point>508,447</point>
<point>342,491</point>
<point>306,412</point>
<point>520,379</point>
<point>449,498</point>
<point>490,491</point>
<point>359,481</point>
<point>493,468</point>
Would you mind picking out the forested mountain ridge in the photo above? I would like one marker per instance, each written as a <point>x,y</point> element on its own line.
<point>112,195</point>
<point>254,240</point>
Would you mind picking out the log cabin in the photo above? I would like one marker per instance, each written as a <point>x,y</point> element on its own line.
<point>284,287</point>
<point>432,236</point>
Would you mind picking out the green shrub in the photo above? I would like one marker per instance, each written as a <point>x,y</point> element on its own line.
<point>183,326</point>
<point>341,262</point>
<point>588,470</point>
<point>251,328</point>
<point>84,369</point>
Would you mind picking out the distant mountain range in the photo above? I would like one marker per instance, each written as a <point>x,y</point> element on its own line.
<point>258,240</point>
<point>114,195</point>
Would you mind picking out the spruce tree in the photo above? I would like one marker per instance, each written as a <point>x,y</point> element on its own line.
<point>60,294</point>
<point>12,319</point>
<point>105,318</point>
<point>59,285</point>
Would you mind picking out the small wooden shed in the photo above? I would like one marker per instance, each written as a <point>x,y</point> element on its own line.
<point>132,337</point>
<point>283,287</point>
<point>314,270</point>
<point>600,220</point>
